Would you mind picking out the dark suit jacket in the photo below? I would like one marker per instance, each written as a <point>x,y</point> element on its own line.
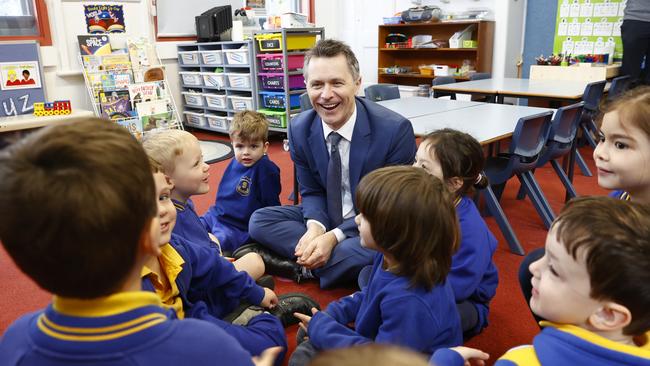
<point>381,137</point>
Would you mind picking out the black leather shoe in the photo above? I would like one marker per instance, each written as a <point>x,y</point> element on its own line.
<point>293,303</point>
<point>274,263</point>
<point>266,281</point>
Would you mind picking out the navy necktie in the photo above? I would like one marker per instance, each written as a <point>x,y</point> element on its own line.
<point>334,201</point>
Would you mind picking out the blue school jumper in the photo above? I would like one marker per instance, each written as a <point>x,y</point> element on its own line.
<point>205,274</point>
<point>473,275</point>
<point>128,328</point>
<point>569,345</point>
<point>189,226</point>
<point>389,310</point>
<point>242,191</point>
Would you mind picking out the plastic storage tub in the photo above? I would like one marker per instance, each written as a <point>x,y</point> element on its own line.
<point>189,57</point>
<point>215,100</point>
<point>276,118</point>
<point>273,41</point>
<point>191,78</point>
<point>237,56</point>
<point>241,103</point>
<point>214,57</point>
<point>277,100</point>
<point>273,61</point>
<point>195,119</point>
<point>218,122</point>
<point>276,81</point>
<point>213,79</point>
<point>239,80</point>
<point>193,99</point>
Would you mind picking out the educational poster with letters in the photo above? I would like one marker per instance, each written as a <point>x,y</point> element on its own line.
<point>589,27</point>
<point>21,83</point>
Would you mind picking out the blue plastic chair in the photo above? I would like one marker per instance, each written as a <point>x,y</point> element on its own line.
<point>442,80</point>
<point>379,92</point>
<point>481,98</point>
<point>305,103</point>
<point>560,143</point>
<point>479,76</point>
<point>619,86</point>
<point>591,97</point>
<point>528,141</point>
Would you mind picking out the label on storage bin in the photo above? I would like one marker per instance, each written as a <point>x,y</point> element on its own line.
<point>274,81</point>
<point>270,43</point>
<point>274,121</point>
<point>275,63</point>
<point>275,101</point>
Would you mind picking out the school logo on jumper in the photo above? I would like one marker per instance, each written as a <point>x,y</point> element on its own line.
<point>244,186</point>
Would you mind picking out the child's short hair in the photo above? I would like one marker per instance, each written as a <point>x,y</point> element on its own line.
<point>249,126</point>
<point>76,200</point>
<point>163,147</point>
<point>459,155</point>
<point>412,218</point>
<point>633,107</point>
<point>614,237</point>
<point>370,355</point>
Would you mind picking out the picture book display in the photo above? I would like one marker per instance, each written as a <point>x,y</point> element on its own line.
<point>104,18</point>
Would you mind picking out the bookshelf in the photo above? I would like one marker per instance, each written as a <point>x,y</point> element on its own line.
<point>480,56</point>
<point>217,81</point>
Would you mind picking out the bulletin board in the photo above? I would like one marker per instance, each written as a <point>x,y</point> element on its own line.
<point>589,27</point>
<point>21,78</point>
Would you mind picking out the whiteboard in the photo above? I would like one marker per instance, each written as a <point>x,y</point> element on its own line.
<point>176,17</point>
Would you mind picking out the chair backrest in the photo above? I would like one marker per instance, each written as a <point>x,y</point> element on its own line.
<point>619,85</point>
<point>379,92</point>
<point>565,123</point>
<point>305,103</point>
<point>442,80</point>
<point>480,76</point>
<point>529,138</point>
<point>593,93</point>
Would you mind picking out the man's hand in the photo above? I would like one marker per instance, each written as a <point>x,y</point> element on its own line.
<point>267,358</point>
<point>305,319</point>
<point>317,252</point>
<point>270,299</point>
<point>313,231</point>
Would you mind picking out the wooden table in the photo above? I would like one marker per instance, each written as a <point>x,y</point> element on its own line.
<point>28,121</point>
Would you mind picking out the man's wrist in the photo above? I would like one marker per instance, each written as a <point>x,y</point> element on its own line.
<point>315,224</point>
<point>338,233</point>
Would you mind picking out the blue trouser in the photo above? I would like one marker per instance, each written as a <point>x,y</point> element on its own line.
<point>280,227</point>
<point>262,331</point>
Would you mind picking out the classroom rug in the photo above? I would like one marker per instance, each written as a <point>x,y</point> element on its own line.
<point>215,151</point>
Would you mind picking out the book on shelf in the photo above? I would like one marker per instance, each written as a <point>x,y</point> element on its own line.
<point>149,73</point>
<point>141,52</point>
<point>146,92</point>
<point>134,125</point>
<point>94,45</point>
<point>155,114</point>
<point>115,105</point>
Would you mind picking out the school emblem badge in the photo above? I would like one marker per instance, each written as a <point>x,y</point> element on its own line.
<point>244,186</point>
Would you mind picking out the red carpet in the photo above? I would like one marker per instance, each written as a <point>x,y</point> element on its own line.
<point>510,321</point>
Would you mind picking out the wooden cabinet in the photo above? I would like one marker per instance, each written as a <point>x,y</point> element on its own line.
<point>481,56</point>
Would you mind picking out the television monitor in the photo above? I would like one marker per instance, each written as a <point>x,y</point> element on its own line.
<point>214,24</point>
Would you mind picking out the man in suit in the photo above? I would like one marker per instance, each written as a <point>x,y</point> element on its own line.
<point>332,146</point>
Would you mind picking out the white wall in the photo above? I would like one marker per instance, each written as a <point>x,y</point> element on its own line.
<point>356,22</point>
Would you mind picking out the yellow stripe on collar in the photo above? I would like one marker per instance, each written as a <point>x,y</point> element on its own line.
<point>457,201</point>
<point>638,351</point>
<point>625,196</point>
<point>522,355</point>
<point>105,306</point>
<point>179,206</point>
<point>99,334</point>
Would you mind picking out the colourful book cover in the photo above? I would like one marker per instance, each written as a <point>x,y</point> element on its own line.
<point>158,120</point>
<point>94,45</point>
<point>133,125</point>
<point>141,52</point>
<point>146,92</point>
<point>115,105</point>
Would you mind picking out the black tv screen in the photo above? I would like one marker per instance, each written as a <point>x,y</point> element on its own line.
<point>214,24</point>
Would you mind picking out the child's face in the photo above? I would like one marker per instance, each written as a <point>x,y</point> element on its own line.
<point>248,153</point>
<point>426,159</point>
<point>190,175</point>
<point>166,209</point>
<point>622,156</point>
<point>561,287</point>
<point>367,241</point>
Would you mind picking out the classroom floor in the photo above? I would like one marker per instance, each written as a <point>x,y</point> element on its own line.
<point>511,323</point>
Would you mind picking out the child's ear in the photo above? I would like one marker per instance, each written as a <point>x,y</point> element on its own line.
<point>149,245</point>
<point>611,316</point>
<point>455,183</point>
<point>169,181</point>
<point>266,146</point>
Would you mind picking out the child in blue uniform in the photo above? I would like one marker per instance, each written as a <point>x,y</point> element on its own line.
<point>179,154</point>
<point>92,225</point>
<point>184,272</point>
<point>457,159</point>
<point>407,216</point>
<point>591,286</point>
<point>251,181</point>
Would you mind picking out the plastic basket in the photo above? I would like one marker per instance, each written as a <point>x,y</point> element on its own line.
<point>273,41</point>
<point>213,79</point>
<point>193,99</point>
<point>273,61</point>
<point>212,57</point>
<point>275,100</point>
<point>189,57</point>
<point>191,78</point>
<point>239,80</point>
<point>218,122</point>
<point>237,56</point>
<point>276,118</point>
<point>241,103</point>
<point>276,81</point>
<point>215,100</point>
<point>195,119</point>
